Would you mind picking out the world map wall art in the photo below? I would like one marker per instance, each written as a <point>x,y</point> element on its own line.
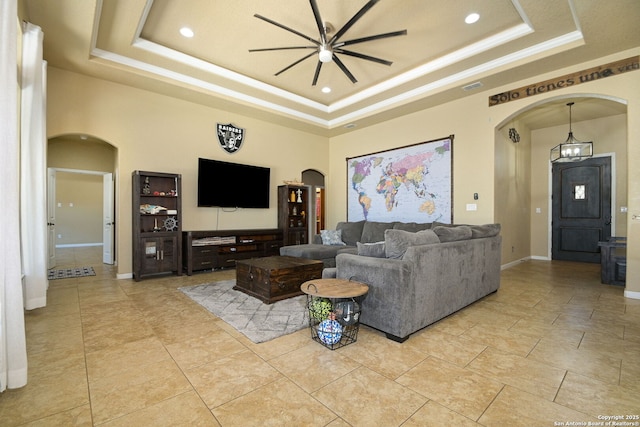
<point>408,184</point>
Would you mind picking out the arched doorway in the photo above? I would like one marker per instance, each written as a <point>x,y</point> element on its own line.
<point>523,178</point>
<point>81,195</point>
<point>315,180</point>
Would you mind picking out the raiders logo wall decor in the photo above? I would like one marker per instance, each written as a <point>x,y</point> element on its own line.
<point>230,137</point>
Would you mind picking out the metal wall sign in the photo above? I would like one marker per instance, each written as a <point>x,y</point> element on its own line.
<point>584,76</point>
<point>230,137</point>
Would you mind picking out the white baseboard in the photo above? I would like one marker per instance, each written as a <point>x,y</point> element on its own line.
<point>514,263</point>
<point>78,245</point>
<point>540,258</point>
<point>124,276</point>
<point>632,294</point>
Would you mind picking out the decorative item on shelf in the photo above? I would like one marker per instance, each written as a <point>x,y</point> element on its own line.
<point>291,222</point>
<point>299,196</point>
<point>571,150</point>
<point>293,182</point>
<point>294,211</point>
<point>292,197</point>
<point>149,209</point>
<point>146,188</point>
<point>155,225</point>
<point>300,223</point>
<point>170,223</point>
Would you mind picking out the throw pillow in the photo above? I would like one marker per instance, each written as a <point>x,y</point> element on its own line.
<point>331,237</point>
<point>453,234</point>
<point>375,250</point>
<point>396,242</point>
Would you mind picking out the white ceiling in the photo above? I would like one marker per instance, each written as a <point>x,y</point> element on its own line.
<point>137,43</point>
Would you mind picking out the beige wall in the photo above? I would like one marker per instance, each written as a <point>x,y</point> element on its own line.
<point>482,155</point>
<point>609,136</point>
<point>473,160</point>
<point>78,209</point>
<point>79,195</point>
<point>68,152</point>
<point>159,133</point>
<point>154,132</point>
<point>513,191</point>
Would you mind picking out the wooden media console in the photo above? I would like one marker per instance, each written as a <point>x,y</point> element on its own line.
<point>210,250</point>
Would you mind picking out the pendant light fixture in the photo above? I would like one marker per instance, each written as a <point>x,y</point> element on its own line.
<point>571,150</point>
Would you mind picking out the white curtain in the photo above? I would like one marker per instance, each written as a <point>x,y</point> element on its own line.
<point>13,353</point>
<point>33,170</point>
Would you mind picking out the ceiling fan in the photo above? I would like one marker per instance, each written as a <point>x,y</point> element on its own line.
<point>327,48</point>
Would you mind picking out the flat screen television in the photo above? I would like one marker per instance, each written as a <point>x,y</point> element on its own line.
<point>232,185</point>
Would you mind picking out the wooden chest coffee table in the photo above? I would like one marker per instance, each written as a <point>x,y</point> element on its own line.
<point>274,278</point>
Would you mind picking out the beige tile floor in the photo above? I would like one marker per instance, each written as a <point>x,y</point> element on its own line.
<point>552,346</point>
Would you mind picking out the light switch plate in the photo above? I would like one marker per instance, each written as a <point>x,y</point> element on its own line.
<point>472,207</point>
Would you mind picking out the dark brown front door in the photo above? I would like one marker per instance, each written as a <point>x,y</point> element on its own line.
<point>581,209</point>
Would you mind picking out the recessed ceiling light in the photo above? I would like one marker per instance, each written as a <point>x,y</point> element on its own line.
<point>186,32</point>
<point>471,18</point>
<point>326,89</point>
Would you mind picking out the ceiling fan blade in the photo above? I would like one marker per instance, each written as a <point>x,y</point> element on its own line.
<point>363,56</point>
<point>295,63</point>
<point>370,38</point>
<point>353,20</point>
<point>316,14</point>
<point>284,27</point>
<point>344,69</point>
<point>282,48</point>
<point>317,74</point>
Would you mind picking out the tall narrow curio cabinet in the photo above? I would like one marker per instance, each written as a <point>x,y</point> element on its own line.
<point>293,213</point>
<point>157,231</point>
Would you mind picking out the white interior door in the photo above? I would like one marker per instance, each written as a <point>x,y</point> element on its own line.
<point>51,218</point>
<point>107,220</point>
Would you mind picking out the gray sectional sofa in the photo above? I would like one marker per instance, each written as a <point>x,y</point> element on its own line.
<point>364,232</point>
<point>420,276</point>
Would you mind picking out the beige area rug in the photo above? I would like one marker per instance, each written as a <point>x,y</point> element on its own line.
<point>257,321</point>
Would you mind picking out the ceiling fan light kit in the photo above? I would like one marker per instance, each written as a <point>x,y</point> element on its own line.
<point>327,49</point>
<point>325,55</point>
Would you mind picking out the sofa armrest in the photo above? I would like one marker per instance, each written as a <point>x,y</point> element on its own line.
<point>316,239</point>
<point>390,290</point>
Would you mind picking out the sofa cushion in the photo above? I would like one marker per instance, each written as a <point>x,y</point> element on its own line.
<point>347,250</point>
<point>486,230</point>
<point>396,242</point>
<point>332,237</point>
<point>373,231</point>
<point>435,224</point>
<point>412,226</point>
<point>453,234</point>
<point>376,250</point>
<point>351,231</point>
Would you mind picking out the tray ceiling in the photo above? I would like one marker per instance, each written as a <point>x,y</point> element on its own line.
<point>137,42</point>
